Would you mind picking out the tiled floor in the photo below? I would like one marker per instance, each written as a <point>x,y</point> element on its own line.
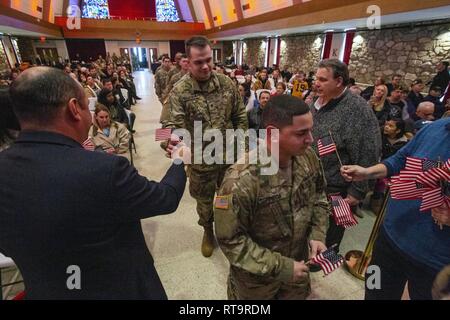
<point>174,240</point>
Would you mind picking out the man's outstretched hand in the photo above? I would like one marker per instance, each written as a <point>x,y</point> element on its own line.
<point>354,173</point>
<point>178,151</point>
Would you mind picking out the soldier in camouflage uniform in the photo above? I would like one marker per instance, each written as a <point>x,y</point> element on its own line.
<point>176,67</point>
<point>212,99</point>
<point>264,223</point>
<point>161,79</point>
<point>184,63</point>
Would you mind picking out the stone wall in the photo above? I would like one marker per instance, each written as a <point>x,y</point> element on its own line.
<point>411,52</point>
<point>254,52</point>
<point>301,52</point>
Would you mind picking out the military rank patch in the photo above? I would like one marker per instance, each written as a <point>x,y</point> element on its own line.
<point>222,202</point>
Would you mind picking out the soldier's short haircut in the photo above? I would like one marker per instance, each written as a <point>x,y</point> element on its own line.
<point>338,68</point>
<point>280,110</point>
<point>183,56</point>
<point>198,42</point>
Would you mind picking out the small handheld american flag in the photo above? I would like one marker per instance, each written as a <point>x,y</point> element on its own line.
<point>326,146</point>
<point>422,179</point>
<point>420,165</point>
<point>342,213</point>
<point>432,199</point>
<point>329,260</point>
<point>163,134</point>
<point>406,190</point>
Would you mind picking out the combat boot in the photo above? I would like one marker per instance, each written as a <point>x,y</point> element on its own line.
<point>208,242</point>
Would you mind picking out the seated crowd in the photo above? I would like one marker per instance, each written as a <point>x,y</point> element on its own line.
<point>109,86</point>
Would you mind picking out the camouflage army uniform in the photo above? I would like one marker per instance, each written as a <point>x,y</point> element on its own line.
<point>165,109</point>
<point>173,71</point>
<point>161,82</point>
<point>217,105</point>
<point>263,223</point>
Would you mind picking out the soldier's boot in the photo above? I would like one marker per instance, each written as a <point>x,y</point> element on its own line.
<point>208,242</point>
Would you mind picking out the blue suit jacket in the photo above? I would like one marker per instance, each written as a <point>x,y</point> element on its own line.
<point>62,206</point>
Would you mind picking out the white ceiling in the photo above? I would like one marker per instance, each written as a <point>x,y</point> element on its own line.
<point>405,17</point>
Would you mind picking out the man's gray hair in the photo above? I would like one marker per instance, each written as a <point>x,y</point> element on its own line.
<point>338,68</point>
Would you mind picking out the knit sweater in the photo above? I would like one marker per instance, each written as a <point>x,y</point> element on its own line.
<point>357,136</point>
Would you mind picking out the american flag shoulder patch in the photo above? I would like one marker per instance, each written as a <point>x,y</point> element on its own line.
<point>222,202</point>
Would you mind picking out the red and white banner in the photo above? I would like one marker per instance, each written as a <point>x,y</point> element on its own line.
<point>338,46</point>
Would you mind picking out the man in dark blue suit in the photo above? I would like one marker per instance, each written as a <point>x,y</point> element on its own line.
<point>70,218</point>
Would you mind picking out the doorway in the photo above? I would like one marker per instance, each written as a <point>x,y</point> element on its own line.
<point>153,55</point>
<point>48,55</point>
<point>139,58</point>
<point>217,55</point>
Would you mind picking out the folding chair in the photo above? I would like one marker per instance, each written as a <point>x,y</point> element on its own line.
<point>92,103</point>
<point>6,262</point>
<point>125,95</point>
<point>132,143</point>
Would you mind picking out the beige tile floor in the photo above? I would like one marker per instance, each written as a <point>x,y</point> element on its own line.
<point>174,240</point>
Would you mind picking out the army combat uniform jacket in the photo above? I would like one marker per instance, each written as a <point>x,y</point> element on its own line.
<point>264,222</point>
<point>217,105</point>
<point>161,79</point>
<point>165,114</point>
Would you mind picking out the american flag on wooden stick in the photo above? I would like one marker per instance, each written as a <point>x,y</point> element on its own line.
<point>329,260</point>
<point>432,199</point>
<point>163,134</point>
<point>433,177</point>
<point>342,213</point>
<point>420,165</point>
<point>326,146</point>
<point>407,190</point>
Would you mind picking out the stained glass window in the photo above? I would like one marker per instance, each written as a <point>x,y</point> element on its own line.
<point>96,9</point>
<point>166,11</point>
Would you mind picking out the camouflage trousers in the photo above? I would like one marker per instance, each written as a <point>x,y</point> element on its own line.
<point>244,286</point>
<point>202,187</point>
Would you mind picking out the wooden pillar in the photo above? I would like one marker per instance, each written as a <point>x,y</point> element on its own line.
<point>192,9</point>
<point>46,10</point>
<point>65,5</point>
<point>209,13</point>
<point>238,8</point>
